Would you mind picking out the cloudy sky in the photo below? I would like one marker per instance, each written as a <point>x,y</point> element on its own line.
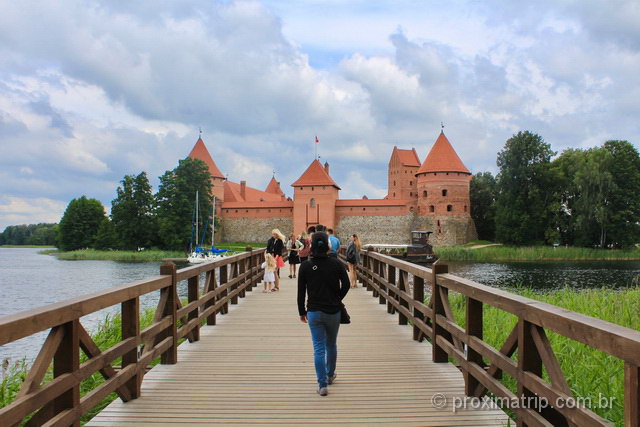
<point>93,90</point>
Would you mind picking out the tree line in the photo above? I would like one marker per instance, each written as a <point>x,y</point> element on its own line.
<point>583,197</point>
<point>139,218</point>
<point>32,234</point>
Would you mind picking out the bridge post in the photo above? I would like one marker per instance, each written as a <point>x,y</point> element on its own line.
<point>631,394</point>
<point>529,360</point>
<point>418,296</point>
<point>66,361</point>
<point>210,285</point>
<point>170,356</point>
<point>236,285</point>
<point>381,282</point>
<point>224,270</point>
<point>439,355</point>
<point>373,271</point>
<point>402,285</point>
<point>249,267</point>
<point>192,291</point>
<point>391,278</point>
<point>474,328</point>
<point>131,328</point>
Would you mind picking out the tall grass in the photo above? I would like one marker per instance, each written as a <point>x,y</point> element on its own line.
<point>125,256</point>
<point>107,335</point>
<point>590,373</point>
<point>150,255</point>
<point>532,253</point>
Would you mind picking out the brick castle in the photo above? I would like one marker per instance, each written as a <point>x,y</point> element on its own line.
<point>432,196</point>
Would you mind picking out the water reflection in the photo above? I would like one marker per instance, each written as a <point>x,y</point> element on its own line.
<point>551,274</point>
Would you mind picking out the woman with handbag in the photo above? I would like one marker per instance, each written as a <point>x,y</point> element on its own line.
<point>353,258</point>
<point>275,245</point>
<point>324,281</point>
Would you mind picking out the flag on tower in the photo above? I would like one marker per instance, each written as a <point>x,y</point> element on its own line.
<point>317,140</point>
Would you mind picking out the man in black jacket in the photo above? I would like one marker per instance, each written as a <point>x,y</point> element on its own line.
<point>326,282</point>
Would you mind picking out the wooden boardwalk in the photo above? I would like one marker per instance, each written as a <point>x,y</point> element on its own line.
<point>256,368</point>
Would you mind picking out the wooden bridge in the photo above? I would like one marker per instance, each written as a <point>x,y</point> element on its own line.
<point>255,365</point>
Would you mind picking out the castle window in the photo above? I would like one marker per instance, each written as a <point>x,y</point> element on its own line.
<point>449,208</point>
<point>444,193</point>
<point>394,183</point>
<point>465,208</point>
<point>394,194</point>
<point>312,203</point>
<point>364,209</point>
<point>447,173</point>
<point>432,208</point>
<point>236,210</point>
<point>246,210</point>
<point>410,182</point>
<point>424,193</point>
<point>311,188</point>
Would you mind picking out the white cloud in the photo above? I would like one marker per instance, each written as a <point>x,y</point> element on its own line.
<point>15,210</point>
<point>96,90</point>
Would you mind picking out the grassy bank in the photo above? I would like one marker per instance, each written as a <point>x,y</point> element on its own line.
<point>532,253</point>
<point>107,335</point>
<point>590,373</point>
<point>135,256</point>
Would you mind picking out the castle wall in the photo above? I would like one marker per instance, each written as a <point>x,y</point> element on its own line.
<point>377,229</point>
<point>448,230</point>
<point>253,229</point>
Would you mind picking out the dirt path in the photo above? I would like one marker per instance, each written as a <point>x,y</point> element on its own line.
<point>484,246</point>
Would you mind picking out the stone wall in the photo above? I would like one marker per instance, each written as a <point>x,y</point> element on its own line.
<point>377,229</point>
<point>253,229</point>
<point>452,230</point>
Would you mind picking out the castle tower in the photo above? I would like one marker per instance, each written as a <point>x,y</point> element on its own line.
<point>443,195</point>
<point>314,198</point>
<point>200,152</point>
<point>403,166</point>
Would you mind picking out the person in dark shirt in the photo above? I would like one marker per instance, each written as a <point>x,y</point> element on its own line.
<point>325,281</point>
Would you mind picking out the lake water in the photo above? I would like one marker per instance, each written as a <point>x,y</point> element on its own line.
<point>30,280</point>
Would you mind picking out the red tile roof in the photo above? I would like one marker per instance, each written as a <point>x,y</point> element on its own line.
<point>232,193</point>
<point>257,205</point>
<point>408,157</point>
<point>442,158</point>
<point>315,175</point>
<point>200,152</point>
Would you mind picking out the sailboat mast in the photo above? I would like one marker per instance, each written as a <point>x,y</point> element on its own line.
<point>213,222</point>
<point>197,219</point>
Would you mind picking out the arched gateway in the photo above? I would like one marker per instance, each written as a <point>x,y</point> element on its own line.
<point>433,196</point>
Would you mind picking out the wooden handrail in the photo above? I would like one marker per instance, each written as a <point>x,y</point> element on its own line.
<point>387,278</point>
<point>58,401</point>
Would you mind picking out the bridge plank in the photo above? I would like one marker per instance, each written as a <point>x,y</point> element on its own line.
<point>256,368</point>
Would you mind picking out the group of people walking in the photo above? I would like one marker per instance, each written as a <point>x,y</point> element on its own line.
<point>323,282</point>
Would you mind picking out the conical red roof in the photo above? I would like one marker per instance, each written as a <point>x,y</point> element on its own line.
<point>200,152</point>
<point>274,187</point>
<point>315,175</point>
<point>442,158</point>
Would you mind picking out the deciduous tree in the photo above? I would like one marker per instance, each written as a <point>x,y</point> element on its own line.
<point>79,224</point>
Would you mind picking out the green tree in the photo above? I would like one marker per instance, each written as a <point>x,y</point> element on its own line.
<point>31,234</point>
<point>133,213</point>
<point>526,199</point>
<point>176,199</point>
<point>624,200</point>
<point>79,224</point>
<point>483,195</point>
<point>106,237</point>
<point>594,184</point>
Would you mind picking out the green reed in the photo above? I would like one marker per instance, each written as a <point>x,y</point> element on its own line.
<point>532,253</point>
<point>591,374</point>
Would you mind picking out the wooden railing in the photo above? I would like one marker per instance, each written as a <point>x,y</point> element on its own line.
<point>58,402</point>
<point>401,286</point>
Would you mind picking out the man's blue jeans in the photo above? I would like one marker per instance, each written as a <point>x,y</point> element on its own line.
<point>324,334</point>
